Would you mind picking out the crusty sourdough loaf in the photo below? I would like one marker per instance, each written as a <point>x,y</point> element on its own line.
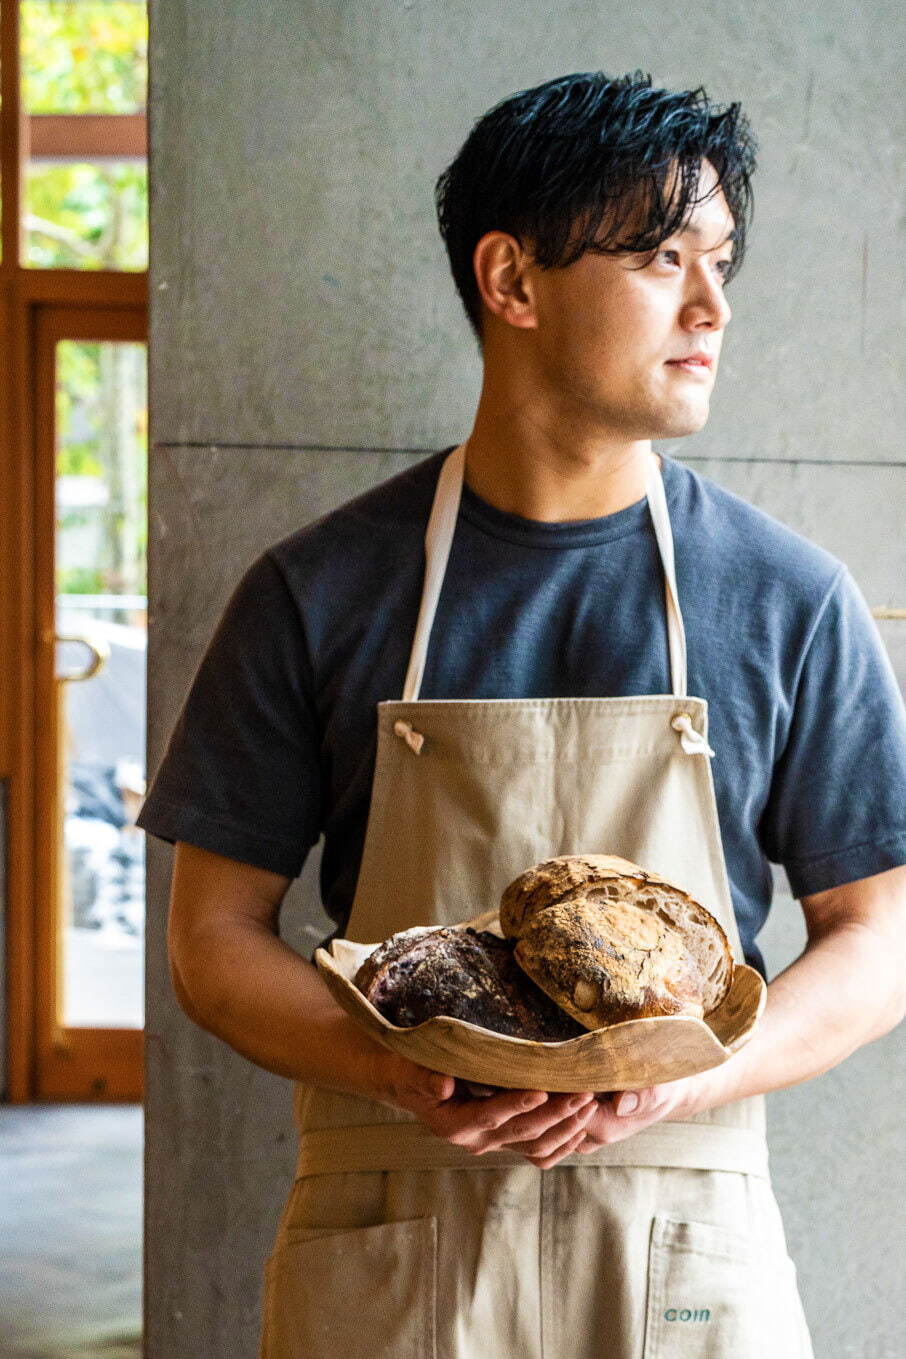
<point>426,971</point>
<point>608,940</point>
<point>604,962</point>
<point>548,882</point>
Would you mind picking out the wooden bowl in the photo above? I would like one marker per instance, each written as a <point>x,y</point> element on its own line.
<point>625,1056</point>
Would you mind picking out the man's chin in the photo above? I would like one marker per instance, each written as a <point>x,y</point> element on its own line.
<point>677,424</point>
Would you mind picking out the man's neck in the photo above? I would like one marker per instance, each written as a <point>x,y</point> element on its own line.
<point>551,483</point>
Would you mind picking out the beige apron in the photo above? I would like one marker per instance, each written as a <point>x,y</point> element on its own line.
<point>395,1244</point>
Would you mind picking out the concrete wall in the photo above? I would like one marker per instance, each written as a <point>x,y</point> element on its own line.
<point>307,342</point>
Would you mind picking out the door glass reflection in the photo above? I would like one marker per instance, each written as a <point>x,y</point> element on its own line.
<point>101,621</point>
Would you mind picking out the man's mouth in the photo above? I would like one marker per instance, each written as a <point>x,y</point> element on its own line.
<point>693,363</point>
<point>701,358</point>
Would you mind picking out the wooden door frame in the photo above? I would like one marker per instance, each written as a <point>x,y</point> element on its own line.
<point>69,1063</point>
<point>25,293</point>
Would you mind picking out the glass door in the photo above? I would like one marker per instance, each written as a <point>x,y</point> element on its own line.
<point>91,599</point>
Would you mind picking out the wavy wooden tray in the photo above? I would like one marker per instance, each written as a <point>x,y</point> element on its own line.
<point>624,1056</point>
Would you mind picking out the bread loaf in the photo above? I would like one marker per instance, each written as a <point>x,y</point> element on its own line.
<point>592,940</point>
<point>609,941</point>
<point>422,972</point>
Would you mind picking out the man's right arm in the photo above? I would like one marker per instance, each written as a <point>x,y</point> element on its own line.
<point>234,977</point>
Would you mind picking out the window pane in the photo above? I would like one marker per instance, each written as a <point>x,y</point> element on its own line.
<point>84,89</point>
<point>80,216</point>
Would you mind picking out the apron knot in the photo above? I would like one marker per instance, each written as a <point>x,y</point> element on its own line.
<point>692,741</point>
<point>410,736</point>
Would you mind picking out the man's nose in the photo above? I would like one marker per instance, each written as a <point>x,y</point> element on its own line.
<point>707,302</point>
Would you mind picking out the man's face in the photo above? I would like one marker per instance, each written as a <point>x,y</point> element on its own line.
<point>608,330</point>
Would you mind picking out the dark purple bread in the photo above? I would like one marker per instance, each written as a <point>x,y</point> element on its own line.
<point>423,972</point>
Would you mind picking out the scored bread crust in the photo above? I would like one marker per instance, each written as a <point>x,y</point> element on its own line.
<point>609,879</point>
<point>547,883</point>
<point>604,962</point>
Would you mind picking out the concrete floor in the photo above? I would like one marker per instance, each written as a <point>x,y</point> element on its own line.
<point>71,1231</point>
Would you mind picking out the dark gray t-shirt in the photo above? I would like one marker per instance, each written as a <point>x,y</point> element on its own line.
<point>276,741</point>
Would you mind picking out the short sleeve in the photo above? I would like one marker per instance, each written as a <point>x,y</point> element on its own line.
<point>837,805</point>
<point>241,773</point>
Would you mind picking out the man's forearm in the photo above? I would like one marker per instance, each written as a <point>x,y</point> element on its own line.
<point>844,991</point>
<point>270,1004</point>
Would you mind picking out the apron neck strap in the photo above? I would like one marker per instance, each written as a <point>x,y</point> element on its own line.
<point>439,538</point>
<point>676,633</point>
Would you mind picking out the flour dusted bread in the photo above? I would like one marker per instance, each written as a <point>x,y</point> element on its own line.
<point>609,941</point>
<point>603,963</point>
<point>591,940</point>
<point>467,974</point>
<point>546,883</point>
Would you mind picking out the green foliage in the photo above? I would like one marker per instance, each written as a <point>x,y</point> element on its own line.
<point>87,216</point>
<point>84,56</point>
<point>101,420</point>
<point>80,580</point>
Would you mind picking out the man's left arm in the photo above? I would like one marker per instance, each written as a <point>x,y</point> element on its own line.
<point>847,988</point>
<point>847,731</point>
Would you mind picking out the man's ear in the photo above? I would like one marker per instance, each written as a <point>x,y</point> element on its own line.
<point>505,279</point>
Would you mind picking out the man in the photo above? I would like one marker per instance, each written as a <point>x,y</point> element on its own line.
<point>585,636</point>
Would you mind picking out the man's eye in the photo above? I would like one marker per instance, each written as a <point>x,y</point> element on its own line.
<point>724,266</point>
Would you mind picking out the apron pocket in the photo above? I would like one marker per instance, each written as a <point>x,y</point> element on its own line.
<point>369,1291</point>
<point>702,1293</point>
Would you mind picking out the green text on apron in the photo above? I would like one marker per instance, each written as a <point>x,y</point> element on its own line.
<point>398,1245</point>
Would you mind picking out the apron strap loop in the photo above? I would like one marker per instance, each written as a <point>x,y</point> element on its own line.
<point>413,738</point>
<point>692,741</point>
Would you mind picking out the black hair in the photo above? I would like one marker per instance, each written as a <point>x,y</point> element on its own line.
<point>569,163</point>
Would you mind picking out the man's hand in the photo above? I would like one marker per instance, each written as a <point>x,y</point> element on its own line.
<point>608,1123</point>
<point>542,1127</point>
<point>550,1125</point>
